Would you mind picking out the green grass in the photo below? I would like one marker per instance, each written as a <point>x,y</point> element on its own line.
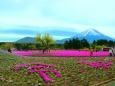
<point>67,66</point>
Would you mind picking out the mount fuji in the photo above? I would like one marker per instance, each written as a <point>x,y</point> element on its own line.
<point>90,35</point>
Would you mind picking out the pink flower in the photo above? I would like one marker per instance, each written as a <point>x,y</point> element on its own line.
<point>44,76</point>
<point>17,67</point>
<point>57,73</point>
<point>38,67</point>
<point>86,63</point>
<point>3,79</point>
<point>80,62</point>
<point>66,83</point>
<point>80,71</point>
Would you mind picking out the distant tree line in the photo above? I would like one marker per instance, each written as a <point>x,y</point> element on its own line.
<point>102,43</point>
<point>82,44</point>
<point>28,46</point>
<point>105,42</point>
<point>76,44</point>
<point>18,46</point>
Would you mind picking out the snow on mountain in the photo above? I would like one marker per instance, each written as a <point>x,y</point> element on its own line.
<point>90,35</point>
<point>89,32</point>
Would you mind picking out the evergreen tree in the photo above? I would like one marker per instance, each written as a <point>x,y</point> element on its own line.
<point>78,44</point>
<point>66,45</point>
<point>70,44</point>
<point>110,43</point>
<point>73,43</point>
<point>85,43</point>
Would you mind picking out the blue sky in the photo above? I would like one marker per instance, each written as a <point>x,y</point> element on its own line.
<point>60,18</point>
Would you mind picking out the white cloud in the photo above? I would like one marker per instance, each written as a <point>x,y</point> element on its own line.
<point>76,14</point>
<point>13,35</point>
<point>13,22</point>
<point>60,37</point>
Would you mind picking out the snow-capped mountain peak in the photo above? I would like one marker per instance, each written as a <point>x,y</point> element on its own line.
<point>90,35</point>
<point>90,32</point>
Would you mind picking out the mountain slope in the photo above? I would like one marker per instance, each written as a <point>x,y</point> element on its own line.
<point>26,40</point>
<point>90,35</point>
<point>89,32</point>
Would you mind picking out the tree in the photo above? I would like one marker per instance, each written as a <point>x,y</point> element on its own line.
<point>8,45</point>
<point>110,43</point>
<point>44,41</point>
<point>32,47</point>
<point>78,44</point>
<point>66,45</point>
<point>94,44</point>
<point>85,43</point>
<point>73,45</point>
<point>70,44</point>
<point>102,42</point>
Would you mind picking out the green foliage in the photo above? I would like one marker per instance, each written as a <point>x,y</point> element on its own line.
<point>110,43</point>
<point>99,44</point>
<point>5,46</point>
<point>85,43</point>
<point>97,47</point>
<point>44,41</point>
<point>18,46</point>
<point>76,44</point>
<point>102,42</point>
<point>66,43</point>
<point>56,47</point>
<point>71,72</point>
<point>32,47</point>
<point>26,46</point>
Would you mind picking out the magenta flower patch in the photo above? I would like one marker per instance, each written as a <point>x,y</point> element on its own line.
<point>60,53</point>
<point>96,64</point>
<point>37,67</point>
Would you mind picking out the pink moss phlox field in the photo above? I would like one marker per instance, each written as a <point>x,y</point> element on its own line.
<point>96,64</point>
<point>59,53</point>
<point>43,75</point>
<point>33,67</point>
<point>38,67</point>
<point>20,66</point>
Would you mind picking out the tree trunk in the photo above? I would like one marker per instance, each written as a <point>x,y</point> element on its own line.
<point>43,51</point>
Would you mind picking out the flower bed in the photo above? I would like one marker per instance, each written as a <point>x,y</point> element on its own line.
<point>37,67</point>
<point>59,53</point>
<point>55,71</point>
